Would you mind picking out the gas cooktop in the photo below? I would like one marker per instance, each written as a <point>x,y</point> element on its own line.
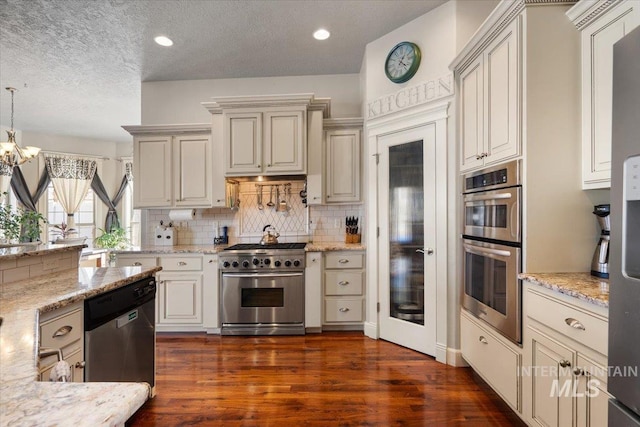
<point>276,246</point>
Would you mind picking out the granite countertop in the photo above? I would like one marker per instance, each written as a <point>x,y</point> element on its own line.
<point>582,286</point>
<point>35,250</point>
<point>211,249</point>
<point>25,401</point>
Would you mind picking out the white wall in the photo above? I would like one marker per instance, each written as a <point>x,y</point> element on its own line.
<point>179,101</point>
<point>469,15</point>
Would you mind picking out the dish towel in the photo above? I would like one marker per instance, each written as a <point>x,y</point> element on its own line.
<point>61,372</point>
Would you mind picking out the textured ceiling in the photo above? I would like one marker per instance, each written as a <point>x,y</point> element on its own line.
<point>82,61</point>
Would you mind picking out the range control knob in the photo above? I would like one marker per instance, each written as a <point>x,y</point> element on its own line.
<point>245,263</point>
<point>287,263</point>
<point>226,264</point>
<point>277,263</point>
<point>256,261</point>
<point>267,261</point>
<point>296,263</point>
<point>234,264</point>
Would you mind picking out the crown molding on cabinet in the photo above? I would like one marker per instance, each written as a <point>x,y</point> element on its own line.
<point>308,100</point>
<point>499,18</point>
<point>343,123</point>
<point>168,129</point>
<point>587,11</point>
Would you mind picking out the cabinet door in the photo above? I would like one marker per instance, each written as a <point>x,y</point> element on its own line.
<point>76,362</point>
<point>193,176</point>
<point>315,156</point>
<point>501,118</point>
<point>313,290</point>
<point>180,298</point>
<point>284,142</point>
<point>343,166</point>
<point>218,187</point>
<point>552,382</point>
<point>592,399</point>
<point>597,77</point>
<point>152,172</point>
<point>243,143</point>
<point>210,287</point>
<point>471,116</point>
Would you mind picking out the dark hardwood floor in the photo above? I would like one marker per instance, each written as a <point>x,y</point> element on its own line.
<point>328,379</point>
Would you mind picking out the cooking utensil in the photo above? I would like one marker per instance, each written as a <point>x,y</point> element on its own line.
<point>268,238</point>
<point>270,203</point>
<point>282,203</point>
<point>260,206</point>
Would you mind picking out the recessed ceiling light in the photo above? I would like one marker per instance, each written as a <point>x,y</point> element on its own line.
<point>321,34</point>
<point>163,41</point>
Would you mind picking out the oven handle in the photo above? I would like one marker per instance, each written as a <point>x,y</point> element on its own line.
<point>260,275</point>
<point>478,198</point>
<point>486,251</point>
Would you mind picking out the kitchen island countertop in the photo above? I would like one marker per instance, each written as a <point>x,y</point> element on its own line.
<point>25,401</point>
<point>583,286</point>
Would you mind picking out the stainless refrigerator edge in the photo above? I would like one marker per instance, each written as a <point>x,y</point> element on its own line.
<point>624,293</point>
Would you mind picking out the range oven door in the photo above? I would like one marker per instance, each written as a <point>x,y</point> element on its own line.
<point>262,298</point>
<point>493,214</point>
<point>492,291</point>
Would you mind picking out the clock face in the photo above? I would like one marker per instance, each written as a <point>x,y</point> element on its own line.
<point>402,62</point>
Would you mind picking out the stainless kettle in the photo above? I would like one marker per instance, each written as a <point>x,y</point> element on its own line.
<point>268,238</point>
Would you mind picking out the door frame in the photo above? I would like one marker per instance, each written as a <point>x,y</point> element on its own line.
<point>433,113</point>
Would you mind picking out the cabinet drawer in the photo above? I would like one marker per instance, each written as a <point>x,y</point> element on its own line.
<point>583,327</point>
<point>181,263</point>
<point>61,331</point>
<point>490,357</point>
<point>344,260</point>
<point>343,282</point>
<point>136,262</point>
<point>343,310</point>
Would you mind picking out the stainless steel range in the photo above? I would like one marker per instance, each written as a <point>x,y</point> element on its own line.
<point>262,289</point>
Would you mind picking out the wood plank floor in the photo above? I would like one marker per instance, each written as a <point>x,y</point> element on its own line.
<point>328,379</point>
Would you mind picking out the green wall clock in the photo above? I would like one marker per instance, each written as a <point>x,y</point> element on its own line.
<point>402,62</point>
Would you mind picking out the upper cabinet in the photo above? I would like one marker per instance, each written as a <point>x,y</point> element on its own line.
<point>489,88</point>
<point>173,167</point>
<point>264,135</point>
<point>601,24</point>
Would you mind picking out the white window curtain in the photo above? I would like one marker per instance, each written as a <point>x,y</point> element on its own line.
<point>71,178</point>
<point>5,177</point>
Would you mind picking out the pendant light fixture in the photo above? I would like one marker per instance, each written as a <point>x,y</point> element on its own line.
<point>11,154</point>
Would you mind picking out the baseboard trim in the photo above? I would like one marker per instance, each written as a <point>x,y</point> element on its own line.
<point>454,358</point>
<point>441,353</point>
<point>371,330</point>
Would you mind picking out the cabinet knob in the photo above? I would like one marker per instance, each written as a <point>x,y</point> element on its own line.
<point>268,166</point>
<point>343,283</point>
<point>210,261</point>
<point>137,263</point>
<point>218,200</point>
<point>316,198</point>
<point>258,166</point>
<point>80,365</point>
<point>574,323</point>
<point>182,263</point>
<point>564,364</point>
<point>483,340</point>
<point>343,309</point>
<point>62,331</point>
<point>343,261</point>
<point>478,156</point>
<point>578,372</point>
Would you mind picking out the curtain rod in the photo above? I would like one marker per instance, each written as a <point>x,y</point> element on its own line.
<point>59,153</point>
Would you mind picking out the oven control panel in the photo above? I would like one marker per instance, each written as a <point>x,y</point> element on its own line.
<point>262,262</point>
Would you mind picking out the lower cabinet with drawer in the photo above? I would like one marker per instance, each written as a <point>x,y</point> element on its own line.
<point>565,360</point>
<point>497,360</point>
<point>344,296</point>
<point>62,335</point>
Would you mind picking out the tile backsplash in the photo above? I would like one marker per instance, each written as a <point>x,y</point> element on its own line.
<point>297,224</point>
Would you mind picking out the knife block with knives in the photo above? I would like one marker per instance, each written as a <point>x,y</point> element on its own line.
<point>351,232</point>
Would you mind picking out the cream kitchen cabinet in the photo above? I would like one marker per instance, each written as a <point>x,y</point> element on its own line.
<point>173,167</point>
<point>565,359</point>
<point>265,142</point>
<point>179,297</point>
<point>62,330</point>
<point>601,24</point>
<point>489,117</point>
<point>313,292</point>
<point>493,357</point>
<point>335,166</point>
<point>343,290</point>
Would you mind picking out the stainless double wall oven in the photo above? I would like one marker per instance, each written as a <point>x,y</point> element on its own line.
<point>492,242</point>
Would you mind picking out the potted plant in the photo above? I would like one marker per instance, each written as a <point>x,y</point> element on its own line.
<point>30,222</point>
<point>9,222</point>
<point>66,234</point>
<point>114,239</point>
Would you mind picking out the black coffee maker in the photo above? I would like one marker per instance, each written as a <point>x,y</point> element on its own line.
<point>600,261</point>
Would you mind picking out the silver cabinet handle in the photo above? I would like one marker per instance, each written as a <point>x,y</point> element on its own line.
<point>65,330</point>
<point>343,261</point>
<point>316,198</point>
<point>343,309</point>
<point>343,283</point>
<point>137,263</point>
<point>80,365</point>
<point>478,156</point>
<point>428,251</point>
<point>578,372</point>
<point>211,261</point>
<point>564,364</point>
<point>574,323</point>
<point>182,263</point>
<point>483,340</point>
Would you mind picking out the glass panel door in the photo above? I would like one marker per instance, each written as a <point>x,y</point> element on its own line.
<point>406,232</point>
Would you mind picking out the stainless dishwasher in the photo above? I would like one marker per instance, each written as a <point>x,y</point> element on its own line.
<point>119,335</point>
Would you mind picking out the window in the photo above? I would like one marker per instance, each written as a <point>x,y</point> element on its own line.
<point>84,218</point>
<point>130,220</point>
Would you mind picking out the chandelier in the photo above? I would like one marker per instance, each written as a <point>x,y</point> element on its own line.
<point>11,154</point>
